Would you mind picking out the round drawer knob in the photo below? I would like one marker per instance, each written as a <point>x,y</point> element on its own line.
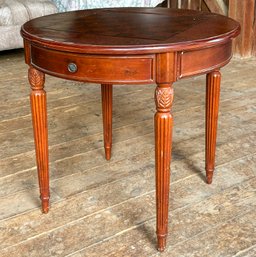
<point>72,67</point>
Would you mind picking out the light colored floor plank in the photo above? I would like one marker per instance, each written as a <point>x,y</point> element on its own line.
<point>138,210</point>
<point>185,223</point>
<point>183,193</point>
<point>248,252</point>
<point>97,172</point>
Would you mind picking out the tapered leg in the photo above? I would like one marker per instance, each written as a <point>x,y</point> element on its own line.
<point>163,145</point>
<point>39,118</point>
<point>106,94</point>
<point>212,108</point>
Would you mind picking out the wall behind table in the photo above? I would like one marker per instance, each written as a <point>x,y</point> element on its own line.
<point>244,11</point>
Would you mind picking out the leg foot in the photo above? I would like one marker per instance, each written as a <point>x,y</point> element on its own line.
<point>107,153</point>
<point>161,243</point>
<point>209,176</point>
<point>45,205</point>
<point>106,94</point>
<point>212,108</point>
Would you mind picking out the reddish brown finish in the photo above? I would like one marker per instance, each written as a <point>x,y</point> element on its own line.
<point>211,121</point>
<point>130,45</point>
<point>166,70</point>
<point>27,47</point>
<point>107,94</point>
<point>99,68</point>
<point>204,60</point>
<point>129,30</point>
<point>166,74</point>
<point>39,117</point>
<point>163,145</point>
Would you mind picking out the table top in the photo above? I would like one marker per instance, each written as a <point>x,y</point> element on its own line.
<point>130,30</point>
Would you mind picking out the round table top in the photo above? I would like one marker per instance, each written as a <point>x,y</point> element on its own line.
<point>130,30</point>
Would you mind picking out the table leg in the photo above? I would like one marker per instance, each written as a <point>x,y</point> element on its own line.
<point>106,94</point>
<point>163,145</point>
<point>39,118</point>
<point>212,108</point>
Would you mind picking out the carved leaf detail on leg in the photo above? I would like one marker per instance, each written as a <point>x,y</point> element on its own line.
<point>164,98</point>
<point>36,78</point>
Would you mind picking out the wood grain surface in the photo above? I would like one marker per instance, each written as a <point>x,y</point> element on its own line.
<point>130,30</point>
<point>115,202</point>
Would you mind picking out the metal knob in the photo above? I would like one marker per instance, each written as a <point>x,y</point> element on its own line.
<point>72,67</point>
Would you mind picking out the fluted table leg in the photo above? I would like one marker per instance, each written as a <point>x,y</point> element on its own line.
<point>39,118</point>
<point>212,108</point>
<point>106,94</point>
<point>163,144</point>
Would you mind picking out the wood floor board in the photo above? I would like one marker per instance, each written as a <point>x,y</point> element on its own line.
<point>62,100</point>
<point>224,240</point>
<point>72,104</point>
<point>246,252</point>
<point>79,164</point>
<point>85,203</point>
<point>61,130</point>
<point>201,218</point>
<point>138,210</point>
<point>14,204</point>
<point>13,164</point>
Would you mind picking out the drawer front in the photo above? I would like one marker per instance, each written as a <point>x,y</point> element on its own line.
<point>94,68</point>
<point>204,60</point>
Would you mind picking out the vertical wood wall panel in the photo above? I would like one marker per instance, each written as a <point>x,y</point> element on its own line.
<point>244,13</point>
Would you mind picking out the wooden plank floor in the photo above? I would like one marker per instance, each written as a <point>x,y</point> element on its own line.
<point>101,208</point>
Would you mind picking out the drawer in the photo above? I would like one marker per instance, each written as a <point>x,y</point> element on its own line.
<point>204,60</point>
<point>95,68</point>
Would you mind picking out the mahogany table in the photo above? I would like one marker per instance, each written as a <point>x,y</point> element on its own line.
<point>129,46</point>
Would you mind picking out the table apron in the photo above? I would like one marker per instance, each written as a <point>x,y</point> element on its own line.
<point>128,69</point>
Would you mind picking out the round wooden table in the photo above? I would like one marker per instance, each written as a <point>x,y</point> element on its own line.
<point>129,46</point>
